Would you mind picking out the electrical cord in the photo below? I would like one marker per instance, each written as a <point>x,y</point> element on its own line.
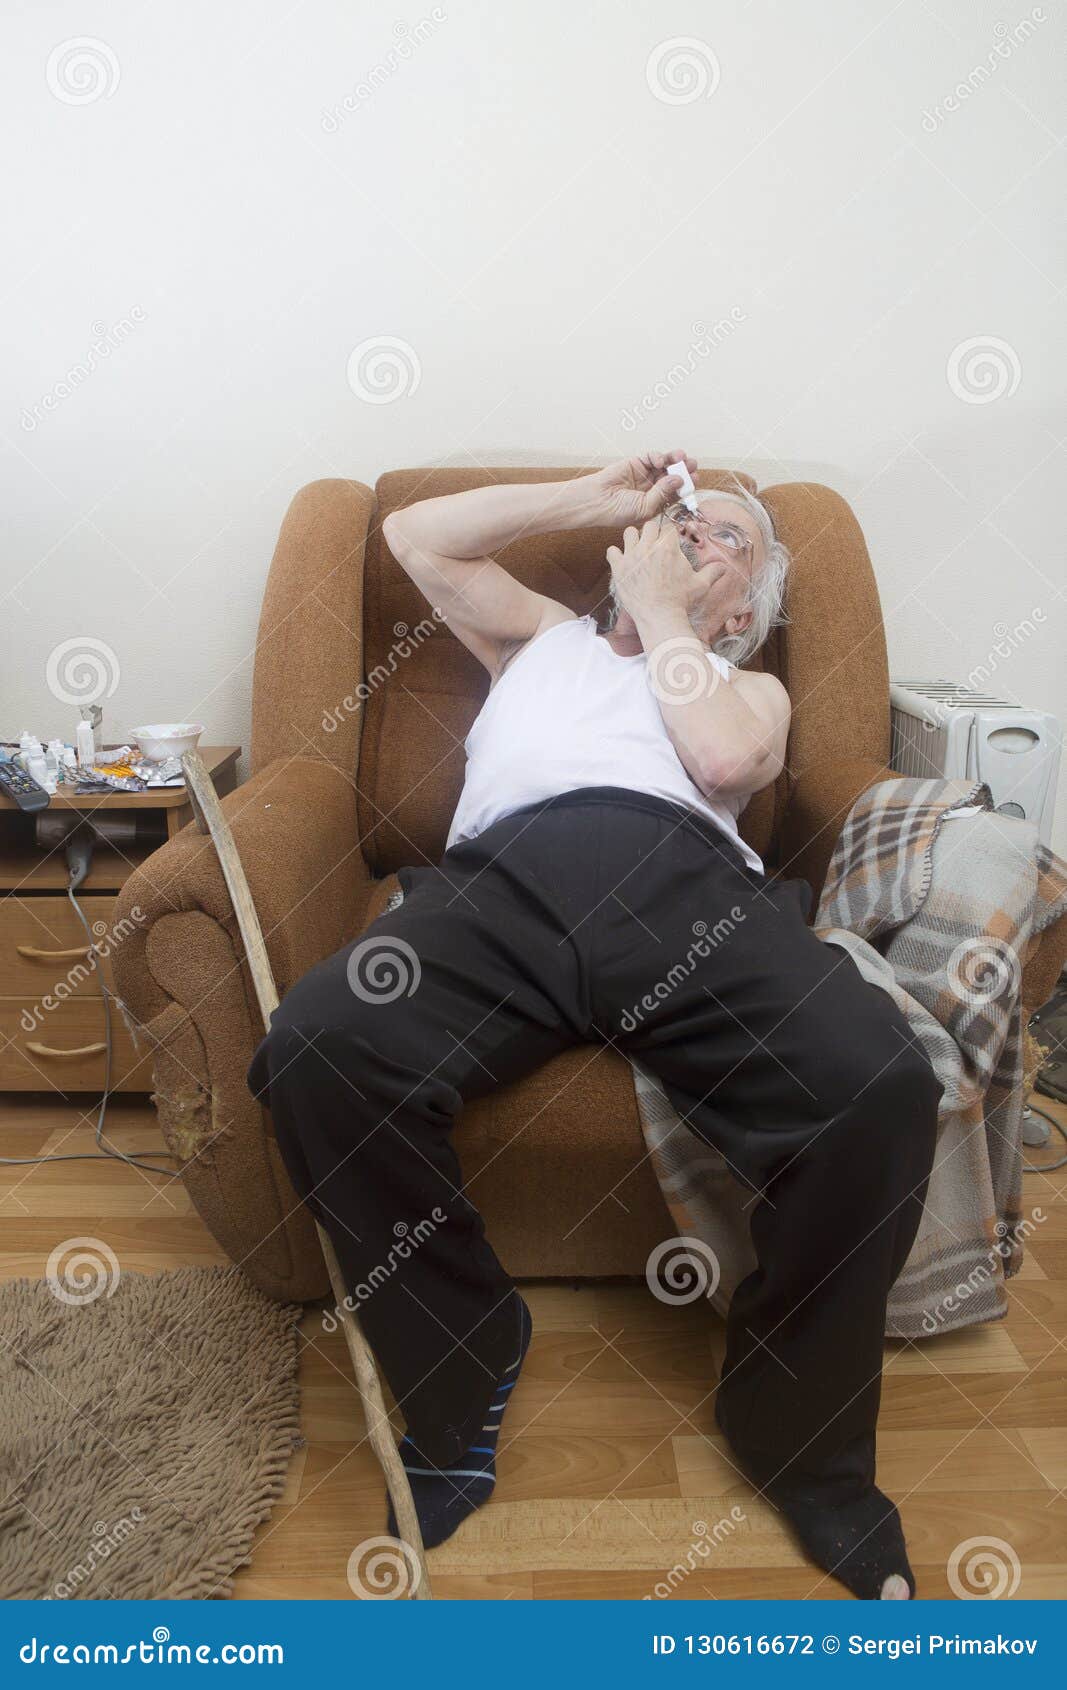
<point>1046,1167</point>
<point>79,852</point>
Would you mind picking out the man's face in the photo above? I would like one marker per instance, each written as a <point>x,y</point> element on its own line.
<point>726,536</point>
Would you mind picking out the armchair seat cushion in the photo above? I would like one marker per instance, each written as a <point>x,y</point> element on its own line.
<point>566,1143</point>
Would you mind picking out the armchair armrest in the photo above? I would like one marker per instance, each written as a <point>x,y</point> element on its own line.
<point>185,988</point>
<point>294,824</point>
<point>1043,965</point>
<point>817,810</point>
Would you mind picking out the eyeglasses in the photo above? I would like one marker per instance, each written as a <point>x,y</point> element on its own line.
<point>727,534</point>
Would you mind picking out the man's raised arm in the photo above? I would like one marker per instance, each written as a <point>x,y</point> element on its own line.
<point>446,545</point>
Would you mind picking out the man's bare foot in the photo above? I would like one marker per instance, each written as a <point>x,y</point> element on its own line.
<point>895,1589</point>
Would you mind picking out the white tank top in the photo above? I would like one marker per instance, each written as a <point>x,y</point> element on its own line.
<point>569,712</point>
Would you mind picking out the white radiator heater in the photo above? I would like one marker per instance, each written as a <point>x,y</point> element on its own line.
<point>943,730</point>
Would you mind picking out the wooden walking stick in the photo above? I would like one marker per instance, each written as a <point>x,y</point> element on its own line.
<point>210,820</point>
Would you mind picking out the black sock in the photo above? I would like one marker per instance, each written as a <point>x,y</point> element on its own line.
<point>444,1496</point>
<point>849,1528</point>
<point>859,1540</point>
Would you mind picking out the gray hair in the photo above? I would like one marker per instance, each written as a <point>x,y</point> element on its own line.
<point>766,596</point>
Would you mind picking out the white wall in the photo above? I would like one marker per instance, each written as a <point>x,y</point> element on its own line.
<point>513,196</point>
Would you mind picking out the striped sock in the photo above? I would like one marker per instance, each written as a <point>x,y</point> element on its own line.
<point>444,1496</point>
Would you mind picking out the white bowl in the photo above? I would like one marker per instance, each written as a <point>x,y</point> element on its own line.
<point>167,739</point>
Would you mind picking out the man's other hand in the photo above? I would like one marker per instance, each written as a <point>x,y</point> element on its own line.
<point>652,574</point>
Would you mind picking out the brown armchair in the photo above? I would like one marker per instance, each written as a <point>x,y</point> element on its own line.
<point>361,705</point>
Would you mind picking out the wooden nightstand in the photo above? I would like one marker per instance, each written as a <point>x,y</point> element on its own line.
<point>51,1007</point>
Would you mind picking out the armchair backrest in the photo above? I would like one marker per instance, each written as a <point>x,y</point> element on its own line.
<point>421,689</point>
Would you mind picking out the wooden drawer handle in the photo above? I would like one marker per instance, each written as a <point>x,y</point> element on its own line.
<point>83,1050</point>
<point>35,955</point>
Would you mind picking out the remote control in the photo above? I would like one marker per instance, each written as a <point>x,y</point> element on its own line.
<point>28,795</point>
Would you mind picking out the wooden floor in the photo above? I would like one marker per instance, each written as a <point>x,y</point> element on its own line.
<point>611,1473</point>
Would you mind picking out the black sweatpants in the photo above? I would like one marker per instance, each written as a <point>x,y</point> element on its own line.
<point>606,914</point>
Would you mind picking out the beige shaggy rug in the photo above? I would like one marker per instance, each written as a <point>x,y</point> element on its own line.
<point>146,1425</point>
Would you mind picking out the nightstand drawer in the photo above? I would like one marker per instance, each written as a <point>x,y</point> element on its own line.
<point>44,951</point>
<point>64,1047</point>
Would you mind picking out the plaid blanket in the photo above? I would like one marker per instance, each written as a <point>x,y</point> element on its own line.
<point>936,898</point>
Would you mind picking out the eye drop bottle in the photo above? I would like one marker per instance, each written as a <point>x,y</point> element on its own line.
<point>86,745</point>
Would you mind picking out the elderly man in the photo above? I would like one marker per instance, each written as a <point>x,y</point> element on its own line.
<point>597,823</point>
